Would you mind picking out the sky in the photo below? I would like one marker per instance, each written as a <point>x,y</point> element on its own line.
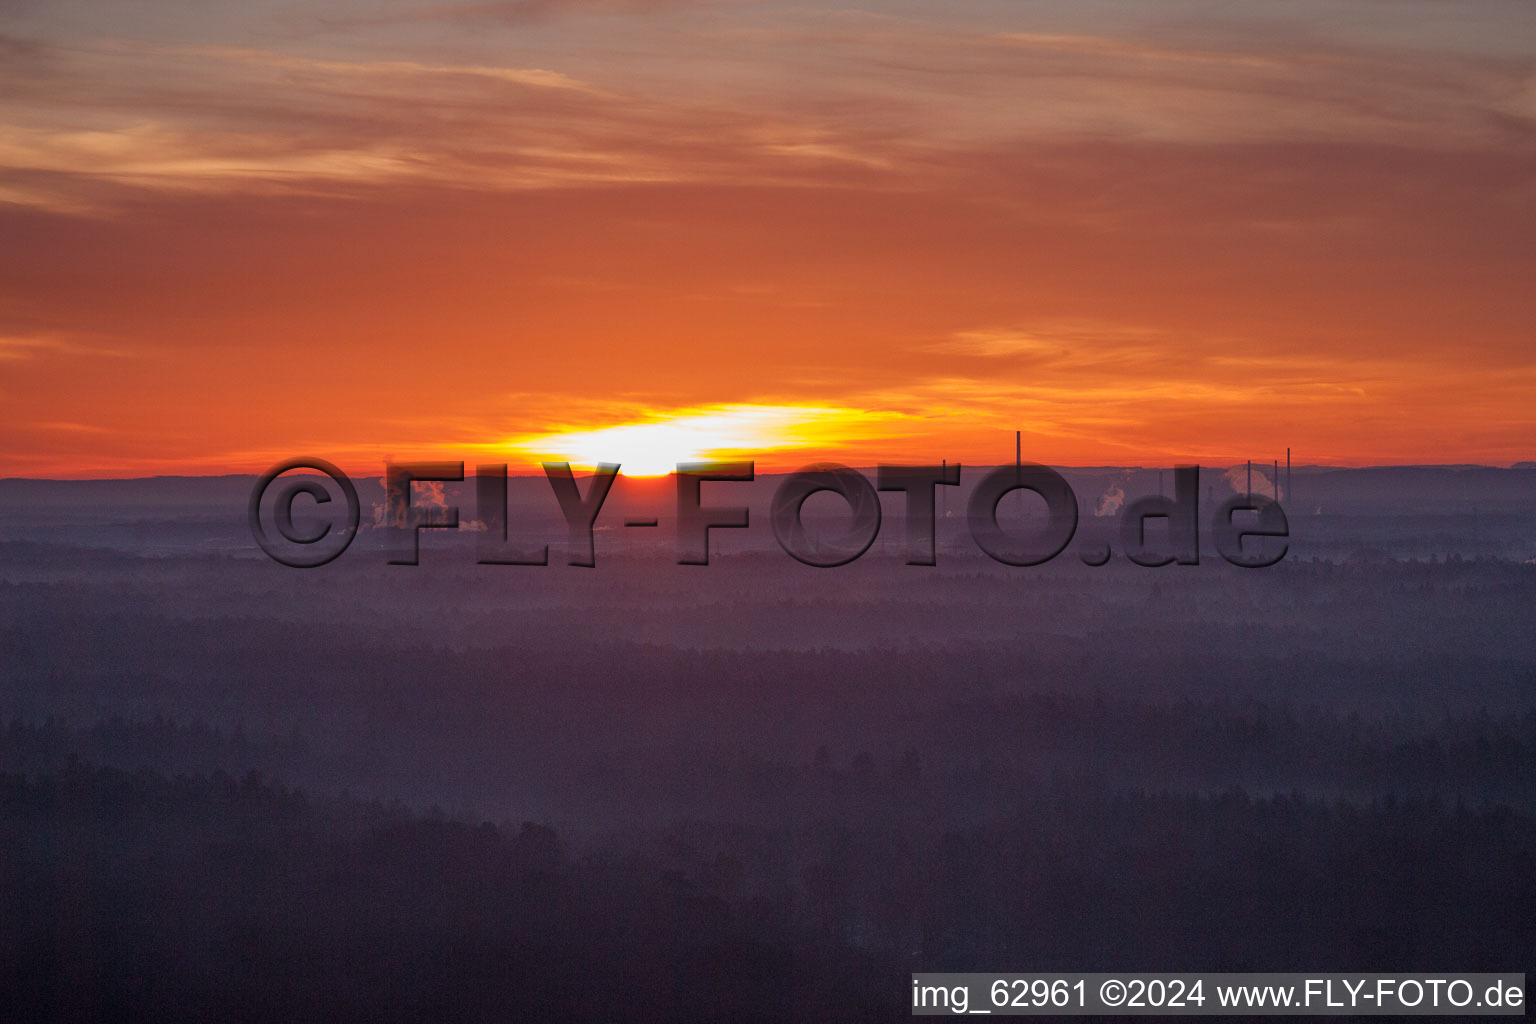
<point>650,230</point>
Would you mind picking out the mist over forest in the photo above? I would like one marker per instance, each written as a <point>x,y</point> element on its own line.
<point>755,790</point>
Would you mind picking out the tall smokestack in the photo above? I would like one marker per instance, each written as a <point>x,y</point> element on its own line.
<point>1277,479</point>
<point>1018,456</point>
<point>1288,492</point>
<point>1250,480</point>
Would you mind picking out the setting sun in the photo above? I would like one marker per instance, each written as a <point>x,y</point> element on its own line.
<point>655,448</point>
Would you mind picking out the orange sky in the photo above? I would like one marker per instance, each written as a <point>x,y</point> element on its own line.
<point>482,231</point>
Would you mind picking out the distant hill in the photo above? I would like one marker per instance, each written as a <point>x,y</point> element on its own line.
<point>1378,490</point>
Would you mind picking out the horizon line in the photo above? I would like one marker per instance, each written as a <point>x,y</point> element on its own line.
<point>1520,465</point>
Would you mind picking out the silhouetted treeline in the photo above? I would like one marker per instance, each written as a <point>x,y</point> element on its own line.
<point>142,897</point>
<point>960,761</point>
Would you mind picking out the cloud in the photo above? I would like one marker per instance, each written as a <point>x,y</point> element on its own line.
<point>1131,238</point>
<point>71,428</point>
<point>1120,50</point>
<point>219,119</point>
<point>525,12</point>
<point>26,348</point>
<point>1049,341</point>
<point>404,70</point>
<point>752,94</point>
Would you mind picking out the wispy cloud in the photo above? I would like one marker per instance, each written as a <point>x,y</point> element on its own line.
<point>523,12</point>
<point>1152,231</point>
<point>64,427</point>
<point>1052,340</point>
<point>785,96</point>
<point>402,70</point>
<point>19,348</point>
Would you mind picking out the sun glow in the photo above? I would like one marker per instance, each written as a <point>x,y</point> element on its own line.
<point>655,447</point>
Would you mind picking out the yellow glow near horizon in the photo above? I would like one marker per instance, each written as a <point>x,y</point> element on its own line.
<point>656,447</point>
